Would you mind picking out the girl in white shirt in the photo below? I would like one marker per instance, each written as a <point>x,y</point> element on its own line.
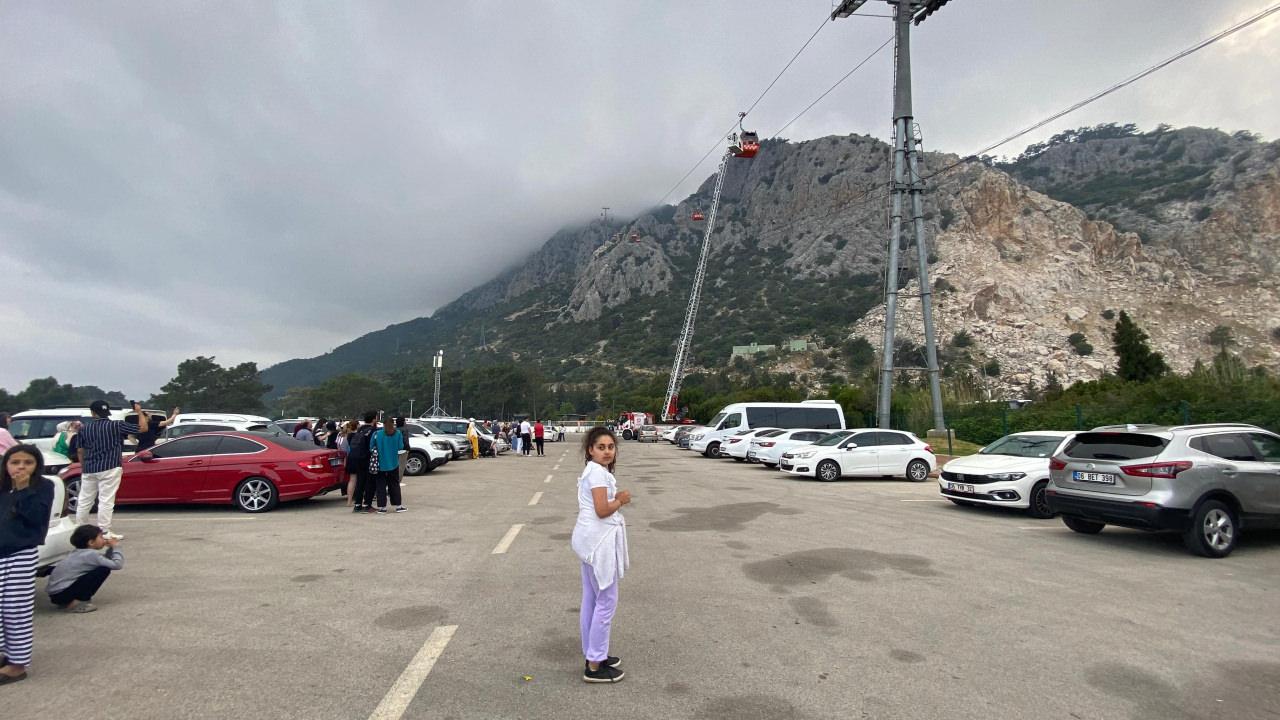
<point>600,542</point>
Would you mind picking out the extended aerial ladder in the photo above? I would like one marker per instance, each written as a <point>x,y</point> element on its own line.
<point>744,145</point>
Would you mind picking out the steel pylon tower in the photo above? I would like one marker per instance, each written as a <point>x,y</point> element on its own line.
<point>907,191</point>
<point>695,295</point>
<point>437,362</point>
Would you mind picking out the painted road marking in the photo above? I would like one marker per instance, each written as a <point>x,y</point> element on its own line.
<point>397,699</point>
<point>185,516</point>
<point>507,539</point>
<point>548,479</point>
<point>536,497</point>
<point>555,467</point>
<point>1041,527</point>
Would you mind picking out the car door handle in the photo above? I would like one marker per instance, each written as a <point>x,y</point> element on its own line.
<point>195,462</point>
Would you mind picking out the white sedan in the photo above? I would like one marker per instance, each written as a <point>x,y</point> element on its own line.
<point>866,452</point>
<point>767,449</point>
<point>1012,471</point>
<point>736,446</point>
<point>57,543</point>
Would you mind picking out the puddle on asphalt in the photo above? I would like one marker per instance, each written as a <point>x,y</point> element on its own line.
<point>813,611</point>
<point>413,616</point>
<point>720,518</point>
<point>812,566</point>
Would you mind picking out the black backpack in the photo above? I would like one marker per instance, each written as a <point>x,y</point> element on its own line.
<point>358,443</point>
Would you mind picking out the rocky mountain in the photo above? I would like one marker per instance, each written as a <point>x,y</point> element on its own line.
<point>1024,255</point>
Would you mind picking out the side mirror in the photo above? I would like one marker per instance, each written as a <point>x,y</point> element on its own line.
<point>850,446</point>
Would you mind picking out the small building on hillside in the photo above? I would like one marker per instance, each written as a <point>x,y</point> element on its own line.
<point>752,349</point>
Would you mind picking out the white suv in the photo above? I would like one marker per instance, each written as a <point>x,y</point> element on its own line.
<point>867,452</point>
<point>1012,471</point>
<point>40,428</point>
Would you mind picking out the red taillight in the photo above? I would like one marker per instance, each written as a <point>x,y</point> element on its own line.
<point>1168,470</point>
<point>734,440</point>
<point>1057,463</point>
<point>928,448</point>
<point>766,444</point>
<point>319,462</point>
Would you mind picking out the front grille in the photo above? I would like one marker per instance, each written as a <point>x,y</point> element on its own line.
<point>970,479</point>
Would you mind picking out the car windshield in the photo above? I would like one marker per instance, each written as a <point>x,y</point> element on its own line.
<point>833,439</point>
<point>1027,446</point>
<point>716,420</point>
<point>30,428</point>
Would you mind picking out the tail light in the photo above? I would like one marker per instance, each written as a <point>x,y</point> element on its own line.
<point>1168,470</point>
<point>1056,463</point>
<point>928,448</point>
<point>319,462</point>
<point>734,440</point>
<point>766,444</point>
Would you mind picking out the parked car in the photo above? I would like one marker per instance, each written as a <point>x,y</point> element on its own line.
<point>822,414</point>
<point>191,423</point>
<point>290,424</point>
<point>1012,472</point>
<point>458,428</point>
<point>865,452</point>
<point>458,444</point>
<point>62,522</point>
<point>669,433</point>
<point>40,428</point>
<point>736,446</point>
<point>648,433</point>
<point>684,440</point>
<point>253,471</point>
<point>426,452</point>
<point>1207,482</point>
<point>767,448</point>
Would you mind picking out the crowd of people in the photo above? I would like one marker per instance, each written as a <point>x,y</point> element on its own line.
<point>374,451</point>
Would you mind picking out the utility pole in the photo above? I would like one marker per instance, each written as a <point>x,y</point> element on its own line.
<point>907,190</point>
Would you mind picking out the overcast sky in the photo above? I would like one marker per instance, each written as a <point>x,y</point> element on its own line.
<point>262,181</point>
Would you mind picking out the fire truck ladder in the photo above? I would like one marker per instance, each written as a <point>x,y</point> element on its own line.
<point>691,314</point>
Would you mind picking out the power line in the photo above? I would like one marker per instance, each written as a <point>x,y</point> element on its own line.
<point>836,85</point>
<point>1122,84</point>
<point>753,105</point>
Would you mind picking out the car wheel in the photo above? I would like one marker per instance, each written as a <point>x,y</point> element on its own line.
<point>963,503</point>
<point>71,498</point>
<point>256,495</point>
<point>1082,526</point>
<point>1039,503</point>
<point>417,464</point>
<point>1213,532</point>
<point>828,471</point>
<point>713,450</point>
<point>626,434</point>
<point>917,471</point>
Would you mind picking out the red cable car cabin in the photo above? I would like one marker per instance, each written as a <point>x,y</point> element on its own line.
<point>635,237</point>
<point>697,215</point>
<point>748,145</point>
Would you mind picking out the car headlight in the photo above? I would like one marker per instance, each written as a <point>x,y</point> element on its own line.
<point>805,454</point>
<point>1007,476</point>
<point>441,446</point>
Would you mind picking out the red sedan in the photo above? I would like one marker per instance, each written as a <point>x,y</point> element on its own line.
<point>253,471</point>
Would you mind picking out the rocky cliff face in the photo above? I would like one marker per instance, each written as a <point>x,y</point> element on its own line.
<point>1181,229</point>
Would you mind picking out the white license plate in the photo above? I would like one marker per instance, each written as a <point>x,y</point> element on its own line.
<point>960,488</point>
<point>751,454</point>
<point>1094,477</point>
<point>335,462</point>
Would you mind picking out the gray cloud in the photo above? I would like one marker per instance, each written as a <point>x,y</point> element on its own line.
<point>264,181</point>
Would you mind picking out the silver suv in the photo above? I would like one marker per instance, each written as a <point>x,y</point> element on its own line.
<point>1208,482</point>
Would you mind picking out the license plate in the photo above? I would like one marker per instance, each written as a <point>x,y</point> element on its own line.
<point>751,454</point>
<point>785,466</point>
<point>1094,477</point>
<point>960,488</point>
<point>335,462</point>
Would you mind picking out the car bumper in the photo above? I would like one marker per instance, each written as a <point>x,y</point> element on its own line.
<point>1007,494</point>
<point>698,446</point>
<point>802,466</point>
<point>1133,514</point>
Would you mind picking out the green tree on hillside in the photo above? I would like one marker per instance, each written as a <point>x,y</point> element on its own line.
<point>1222,338</point>
<point>1136,360</point>
<point>203,385</point>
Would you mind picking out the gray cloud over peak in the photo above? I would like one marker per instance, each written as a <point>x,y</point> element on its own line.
<point>260,181</point>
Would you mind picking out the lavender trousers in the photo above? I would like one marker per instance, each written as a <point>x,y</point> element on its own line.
<point>597,611</point>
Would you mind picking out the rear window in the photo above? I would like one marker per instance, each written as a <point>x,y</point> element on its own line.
<point>292,443</point>
<point>1114,446</point>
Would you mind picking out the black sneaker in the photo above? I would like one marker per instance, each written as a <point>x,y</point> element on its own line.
<point>382,511</point>
<point>612,661</point>
<point>358,509</point>
<point>605,674</point>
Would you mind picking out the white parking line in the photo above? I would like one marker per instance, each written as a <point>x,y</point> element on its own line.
<point>129,520</point>
<point>1040,527</point>
<point>536,497</point>
<point>397,699</point>
<point>555,467</point>
<point>548,479</point>
<point>507,539</point>
<point>925,500</point>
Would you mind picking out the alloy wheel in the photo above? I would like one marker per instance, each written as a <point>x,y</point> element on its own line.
<point>1218,529</point>
<point>255,495</point>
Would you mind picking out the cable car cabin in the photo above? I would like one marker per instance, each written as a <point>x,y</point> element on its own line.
<point>748,145</point>
<point>635,237</point>
<point>697,216</point>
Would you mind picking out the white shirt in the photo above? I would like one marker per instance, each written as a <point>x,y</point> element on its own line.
<point>525,427</point>
<point>600,542</point>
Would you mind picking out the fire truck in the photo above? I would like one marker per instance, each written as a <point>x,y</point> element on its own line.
<point>629,423</point>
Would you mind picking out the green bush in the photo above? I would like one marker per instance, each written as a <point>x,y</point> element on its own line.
<point>992,368</point>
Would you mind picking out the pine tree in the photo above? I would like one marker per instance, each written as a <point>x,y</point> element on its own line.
<point>1136,360</point>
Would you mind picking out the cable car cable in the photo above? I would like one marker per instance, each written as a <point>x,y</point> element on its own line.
<point>833,87</point>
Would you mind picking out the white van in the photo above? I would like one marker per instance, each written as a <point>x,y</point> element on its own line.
<point>809,414</point>
<point>190,423</point>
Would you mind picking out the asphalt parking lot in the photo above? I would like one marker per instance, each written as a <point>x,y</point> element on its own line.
<point>750,595</point>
